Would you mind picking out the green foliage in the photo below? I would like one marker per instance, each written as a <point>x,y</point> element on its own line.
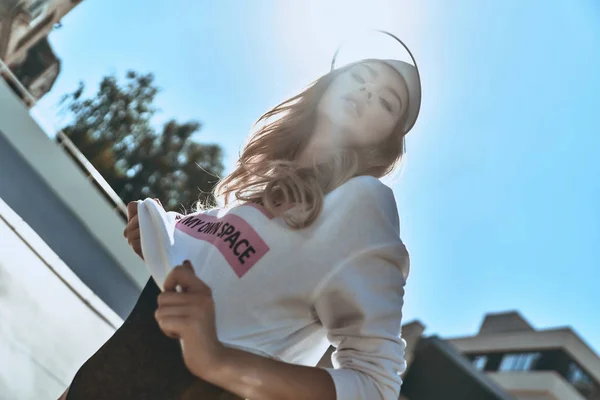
<point>113,130</point>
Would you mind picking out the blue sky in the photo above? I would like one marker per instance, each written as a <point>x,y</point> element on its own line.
<point>499,195</point>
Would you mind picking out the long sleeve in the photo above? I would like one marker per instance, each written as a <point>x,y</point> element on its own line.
<point>157,230</point>
<point>360,305</point>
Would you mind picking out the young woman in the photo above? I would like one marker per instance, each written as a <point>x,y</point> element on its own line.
<point>306,255</point>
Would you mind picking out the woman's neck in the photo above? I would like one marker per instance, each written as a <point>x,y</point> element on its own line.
<point>324,141</point>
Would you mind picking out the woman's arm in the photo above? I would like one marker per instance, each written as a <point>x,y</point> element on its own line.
<point>360,305</point>
<point>251,376</point>
<point>188,314</point>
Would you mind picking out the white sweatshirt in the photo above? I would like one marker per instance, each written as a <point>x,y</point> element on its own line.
<point>288,294</point>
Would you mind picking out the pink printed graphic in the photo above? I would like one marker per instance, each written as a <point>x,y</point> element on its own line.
<point>241,246</point>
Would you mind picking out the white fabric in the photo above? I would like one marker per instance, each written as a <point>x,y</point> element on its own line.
<point>289,294</point>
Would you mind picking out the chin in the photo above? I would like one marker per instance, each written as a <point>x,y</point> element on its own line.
<point>344,121</point>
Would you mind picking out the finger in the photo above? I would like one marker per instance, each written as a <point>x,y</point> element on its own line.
<point>187,264</point>
<point>173,327</point>
<point>182,311</point>
<point>181,279</point>
<point>133,234</point>
<point>132,225</point>
<point>169,299</point>
<point>136,244</point>
<point>132,207</point>
<point>185,277</point>
<point>158,201</point>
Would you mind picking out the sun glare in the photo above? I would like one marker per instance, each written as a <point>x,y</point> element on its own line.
<point>310,31</point>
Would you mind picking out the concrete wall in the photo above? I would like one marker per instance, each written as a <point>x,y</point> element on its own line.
<point>504,322</point>
<point>20,27</point>
<point>50,322</point>
<point>26,193</point>
<point>45,188</point>
<point>551,339</point>
<point>536,385</point>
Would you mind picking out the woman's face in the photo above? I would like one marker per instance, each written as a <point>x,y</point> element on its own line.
<point>364,103</point>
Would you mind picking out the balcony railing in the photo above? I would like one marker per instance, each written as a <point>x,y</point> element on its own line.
<point>67,145</point>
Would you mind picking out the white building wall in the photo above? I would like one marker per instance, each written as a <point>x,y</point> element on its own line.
<point>67,182</point>
<point>536,385</point>
<point>48,190</point>
<point>50,322</point>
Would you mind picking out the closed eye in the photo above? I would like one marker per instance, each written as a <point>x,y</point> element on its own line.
<point>386,104</point>
<point>358,78</point>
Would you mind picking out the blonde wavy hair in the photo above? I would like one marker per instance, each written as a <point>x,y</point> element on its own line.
<point>267,172</point>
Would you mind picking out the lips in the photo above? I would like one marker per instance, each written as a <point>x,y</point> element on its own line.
<point>354,104</point>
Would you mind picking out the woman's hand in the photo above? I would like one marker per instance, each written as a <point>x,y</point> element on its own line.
<point>132,230</point>
<point>189,316</point>
<point>64,395</point>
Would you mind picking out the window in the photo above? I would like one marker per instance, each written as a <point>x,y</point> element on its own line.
<point>519,362</point>
<point>575,374</point>
<point>580,379</point>
<point>479,362</point>
<point>37,9</point>
<point>35,31</point>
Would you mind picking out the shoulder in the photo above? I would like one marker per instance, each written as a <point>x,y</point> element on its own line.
<point>359,216</point>
<point>365,197</point>
<point>366,182</point>
<point>368,191</point>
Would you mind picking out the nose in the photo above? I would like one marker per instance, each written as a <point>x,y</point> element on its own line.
<point>367,91</point>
